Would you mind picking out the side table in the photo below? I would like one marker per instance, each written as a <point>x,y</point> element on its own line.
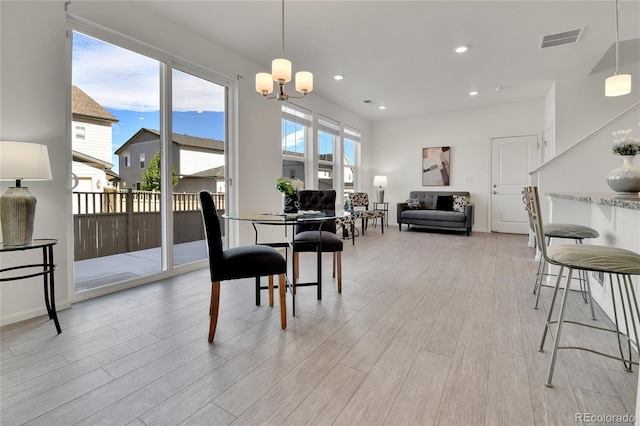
<point>385,209</point>
<point>45,269</point>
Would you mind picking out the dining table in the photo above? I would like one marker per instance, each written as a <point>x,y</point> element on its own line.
<point>289,221</point>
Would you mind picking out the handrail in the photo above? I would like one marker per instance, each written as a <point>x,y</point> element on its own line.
<point>585,139</point>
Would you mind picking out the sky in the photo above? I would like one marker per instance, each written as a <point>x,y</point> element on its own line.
<point>127,85</point>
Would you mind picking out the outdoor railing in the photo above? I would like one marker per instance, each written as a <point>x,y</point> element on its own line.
<point>108,223</point>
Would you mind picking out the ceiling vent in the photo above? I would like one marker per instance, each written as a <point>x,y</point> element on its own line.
<point>565,37</point>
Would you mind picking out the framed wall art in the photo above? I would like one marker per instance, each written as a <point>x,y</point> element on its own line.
<point>436,168</point>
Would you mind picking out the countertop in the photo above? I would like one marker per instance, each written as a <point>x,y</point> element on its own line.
<point>604,198</point>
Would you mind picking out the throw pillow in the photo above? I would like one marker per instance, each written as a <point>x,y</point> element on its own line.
<point>412,203</point>
<point>444,202</point>
<point>460,203</point>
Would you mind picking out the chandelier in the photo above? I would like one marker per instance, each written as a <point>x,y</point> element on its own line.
<point>617,84</point>
<point>281,74</point>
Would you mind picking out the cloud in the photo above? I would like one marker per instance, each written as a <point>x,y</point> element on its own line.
<point>121,79</point>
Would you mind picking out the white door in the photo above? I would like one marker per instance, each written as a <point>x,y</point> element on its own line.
<point>511,160</point>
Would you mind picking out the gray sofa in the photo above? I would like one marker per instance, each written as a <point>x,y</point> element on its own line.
<point>435,210</point>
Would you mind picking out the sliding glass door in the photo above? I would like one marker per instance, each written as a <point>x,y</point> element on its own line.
<point>147,135</point>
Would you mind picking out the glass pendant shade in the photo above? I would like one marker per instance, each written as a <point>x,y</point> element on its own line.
<point>304,81</point>
<point>617,85</point>
<point>264,83</point>
<point>281,70</point>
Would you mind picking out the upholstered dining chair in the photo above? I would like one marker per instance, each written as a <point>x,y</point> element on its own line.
<point>577,257</point>
<point>238,262</point>
<point>316,237</point>
<point>359,202</point>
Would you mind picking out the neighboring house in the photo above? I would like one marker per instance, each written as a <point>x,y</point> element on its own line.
<point>91,143</point>
<point>193,158</point>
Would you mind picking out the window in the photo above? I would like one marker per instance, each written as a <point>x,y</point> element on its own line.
<point>296,122</point>
<point>127,160</point>
<point>328,132</point>
<point>351,148</point>
<point>142,165</point>
<point>81,132</point>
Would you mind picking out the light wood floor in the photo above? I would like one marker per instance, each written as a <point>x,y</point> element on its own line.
<point>431,328</point>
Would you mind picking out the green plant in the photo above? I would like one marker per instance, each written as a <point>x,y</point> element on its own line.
<point>289,186</point>
<point>624,144</point>
<point>151,176</point>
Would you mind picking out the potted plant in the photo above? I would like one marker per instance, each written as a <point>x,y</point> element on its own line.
<point>290,189</point>
<point>626,178</point>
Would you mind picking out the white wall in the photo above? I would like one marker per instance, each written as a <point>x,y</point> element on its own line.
<point>397,147</point>
<point>36,94</point>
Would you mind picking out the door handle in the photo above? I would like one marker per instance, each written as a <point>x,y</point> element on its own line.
<point>495,192</point>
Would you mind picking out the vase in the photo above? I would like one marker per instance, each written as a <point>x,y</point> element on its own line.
<point>626,178</point>
<point>290,203</point>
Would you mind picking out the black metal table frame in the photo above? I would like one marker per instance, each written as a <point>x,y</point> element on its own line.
<point>47,272</point>
<point>286,221</point>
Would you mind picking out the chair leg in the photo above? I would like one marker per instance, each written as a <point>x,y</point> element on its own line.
<point>382,223</point>
<point>556,339</point>
<point>338,260</point>
<point>553,302</point>
<point>353,233</point>
<point>271,290</point>
<point>333,271</point>
<point>295,273</point>
<point>283,306</point>
<point>257,291</point>
<point>538,288</point>
<point>215,304</point>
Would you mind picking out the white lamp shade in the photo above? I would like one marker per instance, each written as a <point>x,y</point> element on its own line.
<point>304,82</point>
<point>281,70</point>
<point>379,181</point>
<point>24,161</point>
<point>264,83</point>
<point>617,85</point>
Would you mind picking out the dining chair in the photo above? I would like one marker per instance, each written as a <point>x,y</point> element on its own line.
<point>359,202</point>
<point>576,257</point>
<point>318,237</point>
<point>238,262</point>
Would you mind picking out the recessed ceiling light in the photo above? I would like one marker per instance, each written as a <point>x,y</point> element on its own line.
<point>473,93</point>
<point>382,107</point>
<point>462,48</point>
<point>338,77</point>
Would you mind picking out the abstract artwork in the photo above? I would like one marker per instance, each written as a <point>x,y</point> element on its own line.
<point>435,166</point>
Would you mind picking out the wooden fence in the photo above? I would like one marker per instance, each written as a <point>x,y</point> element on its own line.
<point>119,222</point>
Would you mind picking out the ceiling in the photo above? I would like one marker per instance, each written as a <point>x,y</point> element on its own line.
<point>400,53</point>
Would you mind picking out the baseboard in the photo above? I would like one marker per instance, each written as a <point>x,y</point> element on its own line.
<point>33,313</point>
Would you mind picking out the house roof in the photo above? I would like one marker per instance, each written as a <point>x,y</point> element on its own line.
<point>83,105</point>
<point>91,161</point>
<point>216,172</point>
<point>179,139</point>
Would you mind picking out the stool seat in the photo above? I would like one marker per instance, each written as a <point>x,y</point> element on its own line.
<point>595,258</point>
<point>569,230</point>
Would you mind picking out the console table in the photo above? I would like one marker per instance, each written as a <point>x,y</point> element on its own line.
<point>45,269</point>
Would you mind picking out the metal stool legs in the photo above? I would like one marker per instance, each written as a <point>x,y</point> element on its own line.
<point>630,313</point>
<point>583,279</point>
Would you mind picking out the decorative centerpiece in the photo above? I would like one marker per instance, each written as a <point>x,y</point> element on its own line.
<point>290,189</point>
<point>626,178</point>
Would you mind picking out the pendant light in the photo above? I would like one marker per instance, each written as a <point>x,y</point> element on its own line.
<point>617,84</point>
<point>281,74</point>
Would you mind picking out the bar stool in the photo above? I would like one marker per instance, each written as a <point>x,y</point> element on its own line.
<point>611,261</point>
<point>577,233</point>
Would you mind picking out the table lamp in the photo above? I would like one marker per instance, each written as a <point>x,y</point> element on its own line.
<point>379,181</point>
<point>21,161</point>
